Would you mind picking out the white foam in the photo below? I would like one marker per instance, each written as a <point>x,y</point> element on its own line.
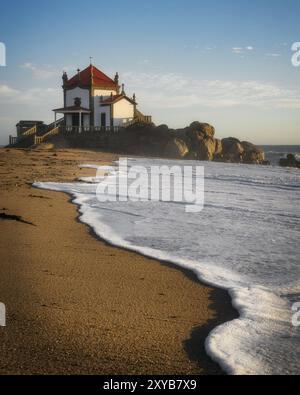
<point>245,241</point>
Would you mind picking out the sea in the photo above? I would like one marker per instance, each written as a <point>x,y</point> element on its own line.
<point>245,240</point>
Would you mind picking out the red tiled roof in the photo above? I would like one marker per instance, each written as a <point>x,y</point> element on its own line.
<point>90,76</point>
<point>116,98</point>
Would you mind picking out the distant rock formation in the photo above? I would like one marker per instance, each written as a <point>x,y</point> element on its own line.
<point>196,141</point>
<point>289,161</point>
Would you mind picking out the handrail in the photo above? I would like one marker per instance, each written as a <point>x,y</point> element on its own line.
<point>140,119</point>
<point>30,132</point>
<point>86,129</point>
<point>41,139</point>
<point>13,140</point>
<point>56,123</point>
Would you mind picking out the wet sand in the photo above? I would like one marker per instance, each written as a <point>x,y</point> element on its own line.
<point>76,305</point>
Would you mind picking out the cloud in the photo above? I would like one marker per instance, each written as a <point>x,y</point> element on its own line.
<point>273,55</point>
<point>242,50</point>
<point>45,72</point>
<point>34,96</point>
<point>176,91</point>
<point>7,92</point>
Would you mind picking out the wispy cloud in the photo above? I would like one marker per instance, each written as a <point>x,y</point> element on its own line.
<point>40,72</point>
<point>171,91</point>
<point>6,92</point>
<point>10,95</point>
<point>176,91</point>
<point>242,50</point>
<point>273,55</point>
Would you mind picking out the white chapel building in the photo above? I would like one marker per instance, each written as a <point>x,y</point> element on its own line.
<point>92,100</point>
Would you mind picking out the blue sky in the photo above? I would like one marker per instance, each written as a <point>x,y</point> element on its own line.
<point>223,62</point>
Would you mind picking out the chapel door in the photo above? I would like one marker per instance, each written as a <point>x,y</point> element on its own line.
<point>103,120</point>
<point>75,120</point>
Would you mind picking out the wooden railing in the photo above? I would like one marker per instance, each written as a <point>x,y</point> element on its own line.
<point>75,130</point>
<point>41,139</point>
<point>69,130</point>
<point>30,132</point>
<point>33,131</point>
<point>13,140</point>
<point>140,117</point>
<point>58,122</point>
<point>144,119</point>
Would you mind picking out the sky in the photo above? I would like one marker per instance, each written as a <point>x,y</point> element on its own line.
<point>225,62</point>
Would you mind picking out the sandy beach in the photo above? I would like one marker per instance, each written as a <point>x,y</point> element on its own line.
<point>76,305</point>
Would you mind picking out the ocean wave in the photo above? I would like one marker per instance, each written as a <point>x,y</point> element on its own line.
<point>244,241</point>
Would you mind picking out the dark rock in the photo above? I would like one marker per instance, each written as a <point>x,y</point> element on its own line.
<point>232,150</point>
<point>289,161</point>
<point>218,147</point>
<point>206,148</point>
<point>194,142</point>
<point>196,133</point>
<point>252,153</point>
<point>176,149</point>
<point>163,129</point>
<point>202,128</point>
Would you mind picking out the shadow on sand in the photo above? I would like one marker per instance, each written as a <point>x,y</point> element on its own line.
<point>220,302</point>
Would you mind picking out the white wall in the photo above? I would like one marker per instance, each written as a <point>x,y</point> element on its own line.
<point>84,95</point>
<point>97,107</point>
<point>68,120</point>
<point>86,120</point>
<point>123,111</point>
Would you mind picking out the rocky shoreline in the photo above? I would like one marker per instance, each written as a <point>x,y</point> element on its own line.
<point>196,141</point>
<point>289,161</point>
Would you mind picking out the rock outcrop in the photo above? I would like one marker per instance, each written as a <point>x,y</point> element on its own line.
<point>232,150</point>
<point>289,161</point>
<point>197,141</point>
<point>206,149</point>
<point>176,149</point>
<point>200,130</point>
<point>253,154</point>
<point>218,147</point>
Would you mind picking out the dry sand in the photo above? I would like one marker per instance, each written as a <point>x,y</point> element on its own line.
<point>76,305</point>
